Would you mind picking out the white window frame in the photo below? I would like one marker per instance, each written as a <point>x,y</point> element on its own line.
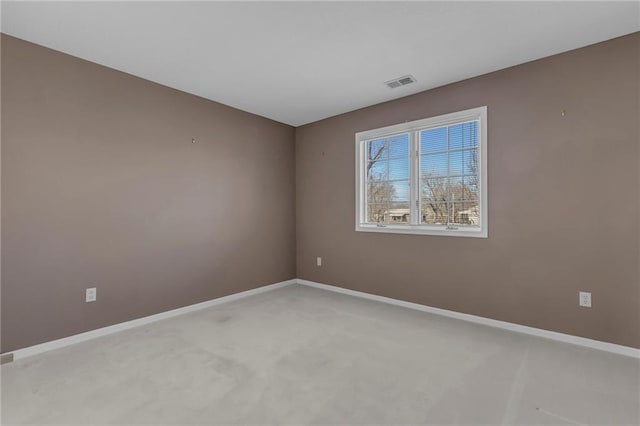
<point>413,128</point>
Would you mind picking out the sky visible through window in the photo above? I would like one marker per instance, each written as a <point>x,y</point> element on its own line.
<point>448,173</point>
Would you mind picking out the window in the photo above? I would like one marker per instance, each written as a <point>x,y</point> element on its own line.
<point>424,177</point>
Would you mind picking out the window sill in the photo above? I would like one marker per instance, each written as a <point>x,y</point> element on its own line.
<point>424,230</point>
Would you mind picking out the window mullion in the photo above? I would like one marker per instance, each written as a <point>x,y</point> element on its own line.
<point>361,183</point>
<point>364,183</point>
<point>414,169</point>
<point>448,183</point>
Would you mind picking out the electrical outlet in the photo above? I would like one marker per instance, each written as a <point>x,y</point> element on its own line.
<point>585,299</point>
<point>319,261</point>
<point>91,295</point>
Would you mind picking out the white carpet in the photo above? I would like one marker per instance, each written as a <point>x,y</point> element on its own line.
<point>300,356</point>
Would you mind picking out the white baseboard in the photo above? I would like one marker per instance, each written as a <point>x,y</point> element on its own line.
<point>552,335</point>
<point>561,337</point>
<point>82,337</point>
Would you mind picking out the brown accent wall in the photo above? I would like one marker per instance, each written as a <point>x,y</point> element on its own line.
<point>102,187</point>
<point>563,199</point>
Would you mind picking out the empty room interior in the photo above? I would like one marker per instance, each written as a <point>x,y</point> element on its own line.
<point>320,213</point>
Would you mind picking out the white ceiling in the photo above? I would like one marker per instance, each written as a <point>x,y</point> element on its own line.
<point>298,62</point>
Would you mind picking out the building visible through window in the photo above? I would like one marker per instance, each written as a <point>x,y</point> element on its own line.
<point>426,176</point>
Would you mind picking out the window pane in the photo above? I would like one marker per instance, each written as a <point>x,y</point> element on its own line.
<point>470,184</point>
<point>388,179</point>
<point>434,213</point>
<point>456,136</point>
<point>376,212</point>
<point>378,170</point>
<point>463,213</point>
<point>433,140</point>
<point>400,191</point>
<point>471,139</point>
<point>456,162</point>
<point>380,198</point>
<point>399,146</point>
<point>377,150</point>
<point>471,161</point>
<point>456,189</point>
<point>449,180</point>
<point>377,145</point>
<point>463,135</point>
<point>434,165</point>
<point>388,202</point>
<point>399,213</point>
<point>434,190</point>
<point>395,169</point>
<point>399,168</point>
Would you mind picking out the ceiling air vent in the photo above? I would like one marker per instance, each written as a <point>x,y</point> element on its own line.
<point>400,81</point>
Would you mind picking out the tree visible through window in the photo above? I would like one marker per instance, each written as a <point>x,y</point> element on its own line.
<point>388,179</point>
<point>449,174</point>
<point>424,177</point>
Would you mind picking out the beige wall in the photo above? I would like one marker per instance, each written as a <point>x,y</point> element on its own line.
<point>563,200</point>
<point>101,186</point>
